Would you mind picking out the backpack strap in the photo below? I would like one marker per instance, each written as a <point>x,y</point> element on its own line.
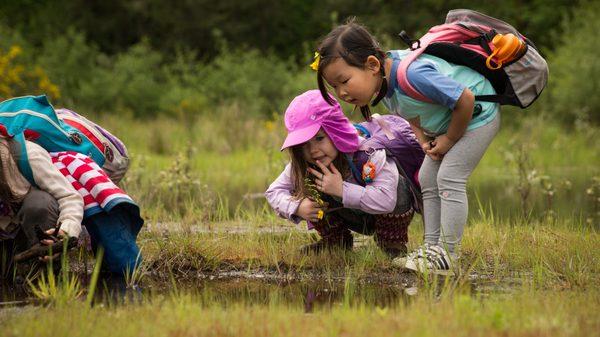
<point>501,99</point>
<point>384,126</point>
<point>355,172</point>
<point>445,32</point>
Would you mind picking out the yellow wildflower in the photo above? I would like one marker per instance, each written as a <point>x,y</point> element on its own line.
<point>381,311</point>
<point>17,78</point>
<point>14,52</point>
<point>269,125</point>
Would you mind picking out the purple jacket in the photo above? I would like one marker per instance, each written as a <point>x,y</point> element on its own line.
<point>377,197</point>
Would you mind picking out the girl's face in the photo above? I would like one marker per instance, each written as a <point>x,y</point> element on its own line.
<point>320,148</point>
<point>354,85</point>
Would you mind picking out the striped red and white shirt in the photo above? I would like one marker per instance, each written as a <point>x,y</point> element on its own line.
<point>93,184</point>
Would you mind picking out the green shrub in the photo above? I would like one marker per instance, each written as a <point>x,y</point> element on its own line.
<point>257,82</point>
<point>572,92</point>
<point>131,81</point>
<point>69,61</point>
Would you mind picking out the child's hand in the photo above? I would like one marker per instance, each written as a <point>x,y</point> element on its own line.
<point>51,232</point>
<point>441,145</point>
<point>328,181</point>
<point>426,146</point>
<point>309,210</point>
<point>60,235</point>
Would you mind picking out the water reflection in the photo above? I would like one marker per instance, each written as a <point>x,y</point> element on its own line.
<point>569,198</point>
<point>311,295</point>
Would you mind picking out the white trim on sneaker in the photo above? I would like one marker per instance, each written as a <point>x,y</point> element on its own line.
<point>430,259</point>
<point>401,261</point>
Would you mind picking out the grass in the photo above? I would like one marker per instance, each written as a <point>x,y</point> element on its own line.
<point>560,255</point>
<point>59,289</point>
<point>556,265</point>
<point>212,167</point>
<point>525,313</point>
<point>199,188</point>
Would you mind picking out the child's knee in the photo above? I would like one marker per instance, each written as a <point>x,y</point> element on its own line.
<point>448,184</point>
<point>40,209</point>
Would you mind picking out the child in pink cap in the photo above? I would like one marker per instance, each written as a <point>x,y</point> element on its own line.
<point>323,147</point>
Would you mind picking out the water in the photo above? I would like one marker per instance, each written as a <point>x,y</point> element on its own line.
<point>262,289</point>
<point>569,198</point>
<point>500,195</point>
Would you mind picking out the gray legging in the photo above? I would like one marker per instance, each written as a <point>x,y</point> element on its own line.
<point>443,184</point>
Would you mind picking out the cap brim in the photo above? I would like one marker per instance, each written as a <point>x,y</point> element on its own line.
<point>300,136</point>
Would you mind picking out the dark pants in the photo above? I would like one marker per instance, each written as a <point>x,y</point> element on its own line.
<point>389,229</point>
<point>115,231</point>
<point>37,213</point>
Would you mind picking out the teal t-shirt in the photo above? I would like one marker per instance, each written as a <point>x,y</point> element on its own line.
<point>443,83</point>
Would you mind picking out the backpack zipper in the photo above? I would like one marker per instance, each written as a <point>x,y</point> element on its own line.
<point>37,114</point>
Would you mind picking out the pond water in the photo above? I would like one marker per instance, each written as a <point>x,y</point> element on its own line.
<point>565,195</point>
<point>227,289</point>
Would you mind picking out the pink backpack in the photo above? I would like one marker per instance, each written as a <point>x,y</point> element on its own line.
<point>466,39</point>
<point>115,153</point>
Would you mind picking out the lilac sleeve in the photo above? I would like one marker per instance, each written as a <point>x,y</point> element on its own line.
<point>279,196</point>
<point>379,196</point>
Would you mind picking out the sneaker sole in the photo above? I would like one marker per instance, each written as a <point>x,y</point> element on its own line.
<point>428,271</point>
<point>400,262</point>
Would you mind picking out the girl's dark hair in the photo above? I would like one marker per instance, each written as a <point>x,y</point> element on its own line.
<point>353,43</point>
<point>300,170</point>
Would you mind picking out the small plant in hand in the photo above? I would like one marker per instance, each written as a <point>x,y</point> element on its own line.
<point>315,195</point>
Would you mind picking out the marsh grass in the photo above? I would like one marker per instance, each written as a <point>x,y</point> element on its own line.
<point>556,255</point>
<point>199,188</point>
<point>547,272</point>
<point>214,167</point>
<point>57,289</point>
<point>524,313</point>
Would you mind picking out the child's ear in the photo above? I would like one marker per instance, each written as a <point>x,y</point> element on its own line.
<point>372,64</point>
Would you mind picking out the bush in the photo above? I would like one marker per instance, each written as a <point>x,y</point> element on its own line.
<point>69,61</point>
<point>572,92</point>
<point>131,81</point>
<point>259,83</point>
<point>18,78</point>
<point>144,83</point>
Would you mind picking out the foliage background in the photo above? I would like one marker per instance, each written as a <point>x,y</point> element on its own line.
<point>196,89</point>
<point>151,58</point>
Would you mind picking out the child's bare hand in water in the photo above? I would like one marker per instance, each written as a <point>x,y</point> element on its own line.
<point>309,210</point>
<point>439,147</point>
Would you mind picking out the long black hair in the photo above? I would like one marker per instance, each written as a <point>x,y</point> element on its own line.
<point>354,44</point>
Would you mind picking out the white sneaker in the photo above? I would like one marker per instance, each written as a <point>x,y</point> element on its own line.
<point>432,259</point>
<point>401,261</point>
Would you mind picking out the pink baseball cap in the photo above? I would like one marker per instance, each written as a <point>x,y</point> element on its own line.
<point>309,112</point>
